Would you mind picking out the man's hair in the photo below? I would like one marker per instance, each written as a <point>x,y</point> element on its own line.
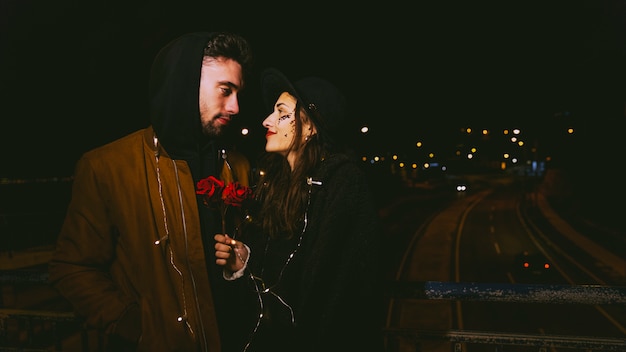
<point>232,46</point>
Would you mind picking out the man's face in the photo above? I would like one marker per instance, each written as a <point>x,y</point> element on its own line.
<point>221,80</point>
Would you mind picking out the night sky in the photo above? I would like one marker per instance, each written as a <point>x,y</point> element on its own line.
<point>74,73</point>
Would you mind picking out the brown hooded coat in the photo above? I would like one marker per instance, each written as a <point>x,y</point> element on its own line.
<point>131,193</point>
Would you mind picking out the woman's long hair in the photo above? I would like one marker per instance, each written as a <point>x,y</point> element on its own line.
<point>283,193</point>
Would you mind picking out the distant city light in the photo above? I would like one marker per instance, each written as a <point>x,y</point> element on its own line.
<point>245,131</point>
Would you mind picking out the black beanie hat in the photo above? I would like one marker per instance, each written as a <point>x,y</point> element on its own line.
<point>315,94</point>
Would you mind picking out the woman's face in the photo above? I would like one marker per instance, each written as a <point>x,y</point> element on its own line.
<point>281,127</point>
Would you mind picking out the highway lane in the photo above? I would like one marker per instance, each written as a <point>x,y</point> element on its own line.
<point>488,240</point>
<point>476,239</point>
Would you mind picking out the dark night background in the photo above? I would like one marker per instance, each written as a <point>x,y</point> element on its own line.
<point>74,73</point>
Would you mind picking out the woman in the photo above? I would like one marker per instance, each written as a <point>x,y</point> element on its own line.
<point>313,272</point>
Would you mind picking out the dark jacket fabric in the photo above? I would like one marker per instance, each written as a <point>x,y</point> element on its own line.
<point>134,252</point>
<point>333,279</point>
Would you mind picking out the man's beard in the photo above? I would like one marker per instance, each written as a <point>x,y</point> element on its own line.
<point>213,129</point>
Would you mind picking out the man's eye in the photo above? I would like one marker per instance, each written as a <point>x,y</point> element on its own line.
<point>226,91</point>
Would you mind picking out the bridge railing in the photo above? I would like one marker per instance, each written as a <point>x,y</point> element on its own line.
<point>511,293</point>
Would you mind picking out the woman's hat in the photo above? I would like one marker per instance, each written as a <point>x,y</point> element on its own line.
<point>322,100</point>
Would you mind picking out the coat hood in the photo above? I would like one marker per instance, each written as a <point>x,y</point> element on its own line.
<point>174,96</point>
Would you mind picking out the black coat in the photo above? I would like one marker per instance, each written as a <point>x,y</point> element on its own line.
<point>333,281</point>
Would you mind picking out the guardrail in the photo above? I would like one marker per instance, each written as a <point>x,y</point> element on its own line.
<point>30,323</point>
<point>521,293</point>
<point>536,341</point>
<point>511,293</point>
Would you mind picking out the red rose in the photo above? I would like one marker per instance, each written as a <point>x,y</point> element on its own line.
<point>211,187</point>
<point>219,197</point>
<point>234,194</point>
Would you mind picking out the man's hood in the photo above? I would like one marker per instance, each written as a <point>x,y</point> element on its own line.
<point>174,96</point>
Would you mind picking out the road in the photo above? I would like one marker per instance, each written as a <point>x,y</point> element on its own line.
<point>475,238</point>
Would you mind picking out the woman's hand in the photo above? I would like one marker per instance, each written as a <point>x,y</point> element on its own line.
<point>229,253</point>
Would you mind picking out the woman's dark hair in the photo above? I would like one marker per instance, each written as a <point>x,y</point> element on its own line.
<point>282,192</point>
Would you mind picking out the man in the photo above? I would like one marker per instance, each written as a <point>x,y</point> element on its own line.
<point>131,253</point>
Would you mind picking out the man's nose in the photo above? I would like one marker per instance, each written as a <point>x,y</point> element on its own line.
<point>232,104</point>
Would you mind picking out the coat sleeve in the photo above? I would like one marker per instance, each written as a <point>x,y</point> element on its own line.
<point>79,268</point>
<point>343,298</point>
